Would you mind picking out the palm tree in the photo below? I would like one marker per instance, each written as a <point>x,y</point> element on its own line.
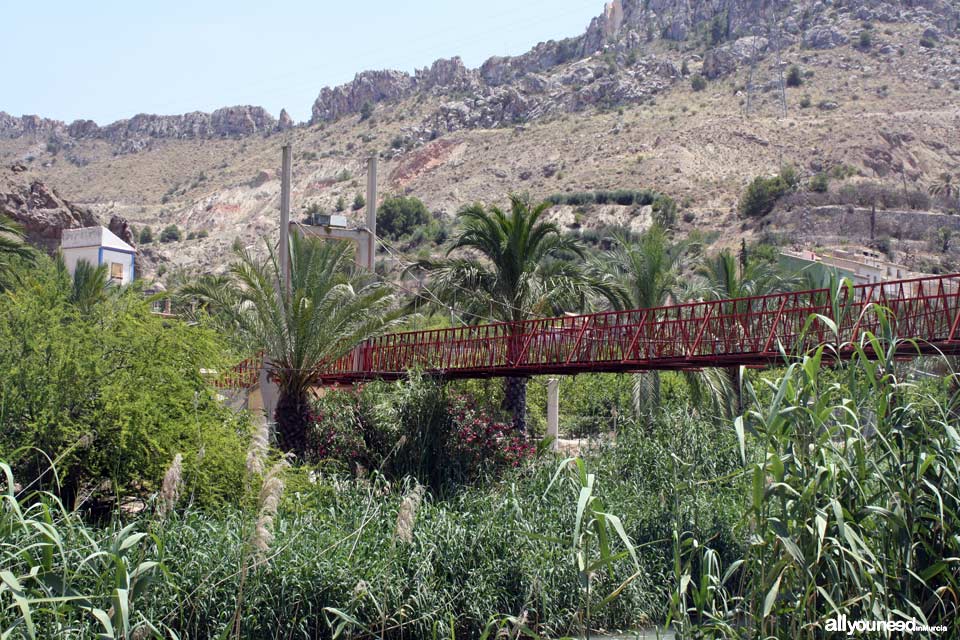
<point>522,271</point>
<point>12,247</point>
<point>945,186</point>
<point>647,271</point>
<point>89,285</point>
<point>725,277</point>
<point>328,308</point>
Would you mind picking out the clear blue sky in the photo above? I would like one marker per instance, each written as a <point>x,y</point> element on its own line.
<point>106,60</point>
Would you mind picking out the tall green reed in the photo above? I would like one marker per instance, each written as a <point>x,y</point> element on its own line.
<point>853,507</point>
<point>59,578</point>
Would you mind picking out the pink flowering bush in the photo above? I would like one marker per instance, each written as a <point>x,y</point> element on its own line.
<point>481,444</point>
<point>413,428</point>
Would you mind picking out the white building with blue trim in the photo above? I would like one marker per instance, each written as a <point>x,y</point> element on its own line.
<point>98,246</point>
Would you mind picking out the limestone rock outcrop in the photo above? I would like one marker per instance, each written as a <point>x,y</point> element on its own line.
<point>39,209</point>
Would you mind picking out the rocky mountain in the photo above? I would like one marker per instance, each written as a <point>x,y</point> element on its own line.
<point>692,99</point>
<point>43,214</point>
<point>610,65</point>
<point>136,133</point>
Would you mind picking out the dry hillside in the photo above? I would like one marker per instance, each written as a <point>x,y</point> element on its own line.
<point>884,107</point>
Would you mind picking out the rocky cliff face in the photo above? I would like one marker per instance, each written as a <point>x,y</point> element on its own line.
<point>444,76</point>
<point>136,133</point>
<point>616,60</point>
<point>43,214</point>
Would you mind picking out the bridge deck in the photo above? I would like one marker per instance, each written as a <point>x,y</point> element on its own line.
<point>744,331</point>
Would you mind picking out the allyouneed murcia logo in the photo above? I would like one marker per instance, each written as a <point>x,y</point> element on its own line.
<point>842,624</point>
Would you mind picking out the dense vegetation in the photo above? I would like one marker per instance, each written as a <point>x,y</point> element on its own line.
<point>111,393</point>
<point>730,503</point>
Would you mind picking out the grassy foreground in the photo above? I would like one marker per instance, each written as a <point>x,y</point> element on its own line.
<point>836,493</point>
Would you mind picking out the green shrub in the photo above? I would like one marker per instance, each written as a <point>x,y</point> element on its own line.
<point>794,77</point>
<point>359,202</point>
<point>698,82</point>
<point>860,486</point>
<point>413,428</point>
<point>820,183</point>
<point>866,39</point>
<point>171,233</point>
<point>146,235</point>
<point>805,102</point>
<point>398,216</point>
<point>665,211</point>
<point>927,43</point>
<point>65,579</point>
<point>762,195</point>
<point>366,111</point>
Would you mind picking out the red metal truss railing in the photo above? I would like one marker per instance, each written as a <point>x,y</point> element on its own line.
<point>242,375</point>
<point>744,331</point>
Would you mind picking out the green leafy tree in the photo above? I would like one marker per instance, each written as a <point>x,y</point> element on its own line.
<point>762,193</point>
<point>698,82</point>
<point>146,235</point>
<point>514,267</point>
<point>398,216</point>
<point>109,393</point>
<point>341,204</point>
<point>328,308</point>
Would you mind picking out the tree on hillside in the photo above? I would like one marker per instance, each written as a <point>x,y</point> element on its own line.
<point>511,268</point>
<point>328,309</point>
<point>171,233</point>
<point>359,202</point>
<point>366,111</point>
<point>762,193</point>
<point>146,235</point>
<point>945,186</point>
<point>12,249</point>
<point>399,215</point>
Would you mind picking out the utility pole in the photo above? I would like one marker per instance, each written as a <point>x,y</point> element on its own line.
<point>285,217</point>
<point>372,212</point>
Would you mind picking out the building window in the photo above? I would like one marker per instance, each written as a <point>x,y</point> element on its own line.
<point>116,271</point>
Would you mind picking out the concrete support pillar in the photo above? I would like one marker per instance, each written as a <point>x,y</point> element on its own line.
<point>269,393</point>
<point>553,411</point>
<point>371,213</point>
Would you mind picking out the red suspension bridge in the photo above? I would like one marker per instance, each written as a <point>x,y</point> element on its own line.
<point>722,333</point>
